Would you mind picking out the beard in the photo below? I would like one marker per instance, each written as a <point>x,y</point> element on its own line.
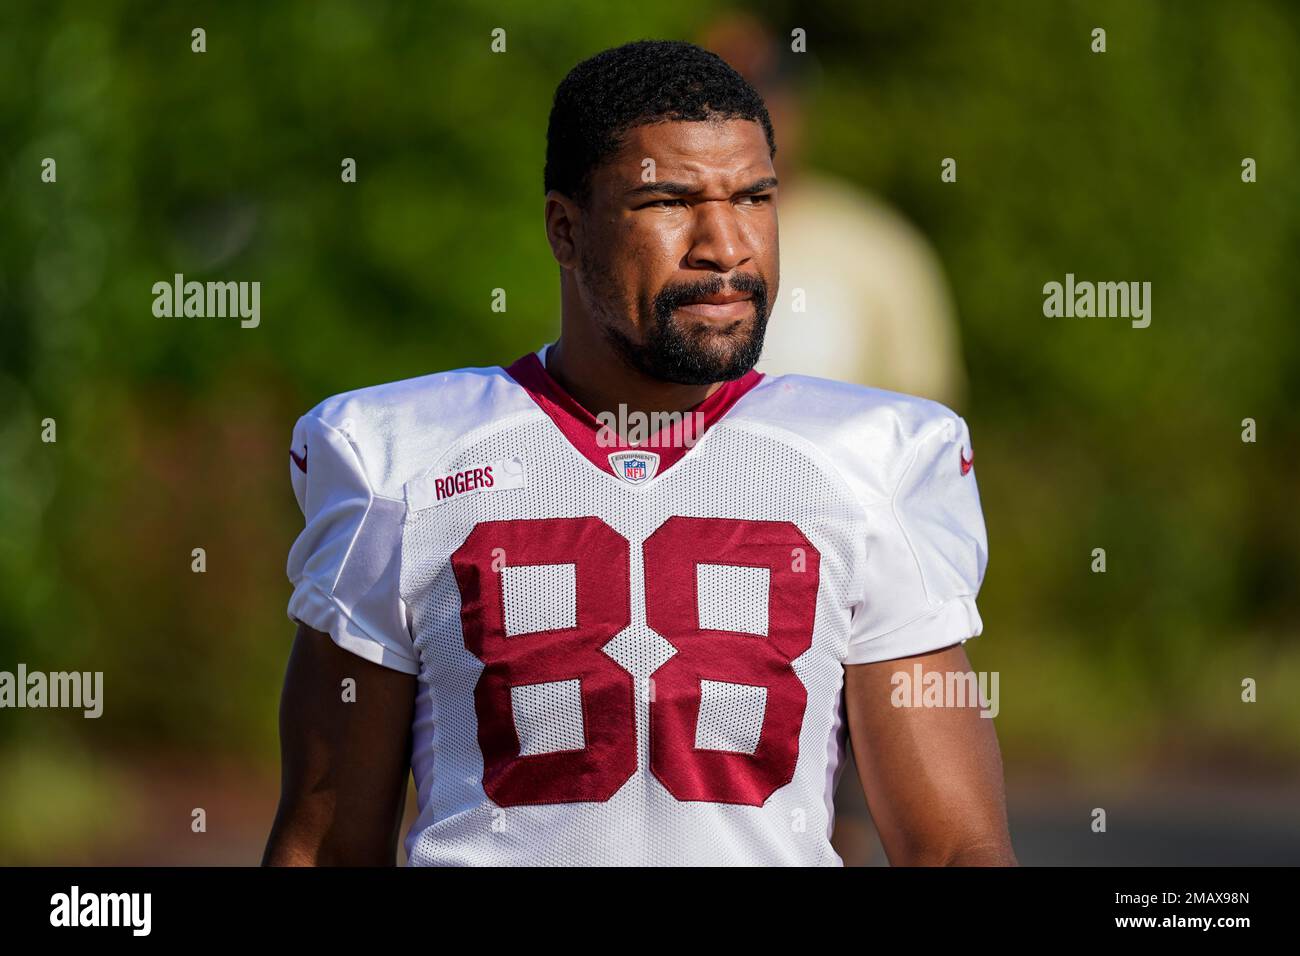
<point>695,355</point>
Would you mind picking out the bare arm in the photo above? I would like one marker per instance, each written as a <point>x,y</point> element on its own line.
<point>344,764</point>
<point>932,775</point>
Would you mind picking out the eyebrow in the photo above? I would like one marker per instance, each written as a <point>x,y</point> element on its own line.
<point>668,188</point>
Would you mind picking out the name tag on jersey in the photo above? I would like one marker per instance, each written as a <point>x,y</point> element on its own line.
<point>438,489</point>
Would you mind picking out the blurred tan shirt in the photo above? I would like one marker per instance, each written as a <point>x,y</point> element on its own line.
<point>877,307</point>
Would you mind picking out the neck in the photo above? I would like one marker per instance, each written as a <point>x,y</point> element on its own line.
<point>590,370</point>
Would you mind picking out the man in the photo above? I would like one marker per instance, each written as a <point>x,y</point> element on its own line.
<point>598,645</point>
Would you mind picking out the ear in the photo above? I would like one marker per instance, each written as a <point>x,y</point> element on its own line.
<point>563,228</point>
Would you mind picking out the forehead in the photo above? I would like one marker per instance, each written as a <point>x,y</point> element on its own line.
<point>721,149</point>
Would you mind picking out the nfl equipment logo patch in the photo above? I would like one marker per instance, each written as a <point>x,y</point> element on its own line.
<point>634,467</point>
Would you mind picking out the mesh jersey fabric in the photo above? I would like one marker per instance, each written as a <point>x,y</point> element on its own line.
<point>632,673</point>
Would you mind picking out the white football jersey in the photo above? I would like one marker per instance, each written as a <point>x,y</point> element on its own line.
<point>632,655</point>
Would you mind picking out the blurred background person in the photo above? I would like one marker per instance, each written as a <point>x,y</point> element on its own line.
<point>875,306</point>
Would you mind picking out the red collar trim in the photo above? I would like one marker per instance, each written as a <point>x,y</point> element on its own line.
<point>582,428</point>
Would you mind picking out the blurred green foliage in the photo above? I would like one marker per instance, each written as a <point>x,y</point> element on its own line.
<point>226,165</point>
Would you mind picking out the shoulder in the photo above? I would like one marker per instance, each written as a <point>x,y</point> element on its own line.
<point>872,436</point>
<point>397,429</point>
<point>835,412</point>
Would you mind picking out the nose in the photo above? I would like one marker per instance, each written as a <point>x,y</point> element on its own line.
<point>719,241</point>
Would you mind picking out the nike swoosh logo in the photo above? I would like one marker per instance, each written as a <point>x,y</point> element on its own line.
<point>966,463</point>
<point>302,462</point>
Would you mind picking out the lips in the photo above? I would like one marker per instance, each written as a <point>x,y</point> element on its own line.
<point>721,298</point>
<point>720,306</point>
<point>728,309</point>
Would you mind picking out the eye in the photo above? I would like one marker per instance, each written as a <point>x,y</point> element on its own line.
<point>756,199</point>
<point>664,203</point>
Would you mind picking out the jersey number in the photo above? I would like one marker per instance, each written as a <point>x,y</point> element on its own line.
<point>601,558</point>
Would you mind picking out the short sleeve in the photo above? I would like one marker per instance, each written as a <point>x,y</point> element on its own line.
<point>345,565</point>
<point>926,552</point>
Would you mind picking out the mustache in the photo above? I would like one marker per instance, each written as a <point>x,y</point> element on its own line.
<point>675,296</point>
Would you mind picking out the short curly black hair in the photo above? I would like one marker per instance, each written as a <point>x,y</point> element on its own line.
<point>643,82</point>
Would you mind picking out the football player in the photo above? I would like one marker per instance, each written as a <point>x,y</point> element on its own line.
<point>597,647</point>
